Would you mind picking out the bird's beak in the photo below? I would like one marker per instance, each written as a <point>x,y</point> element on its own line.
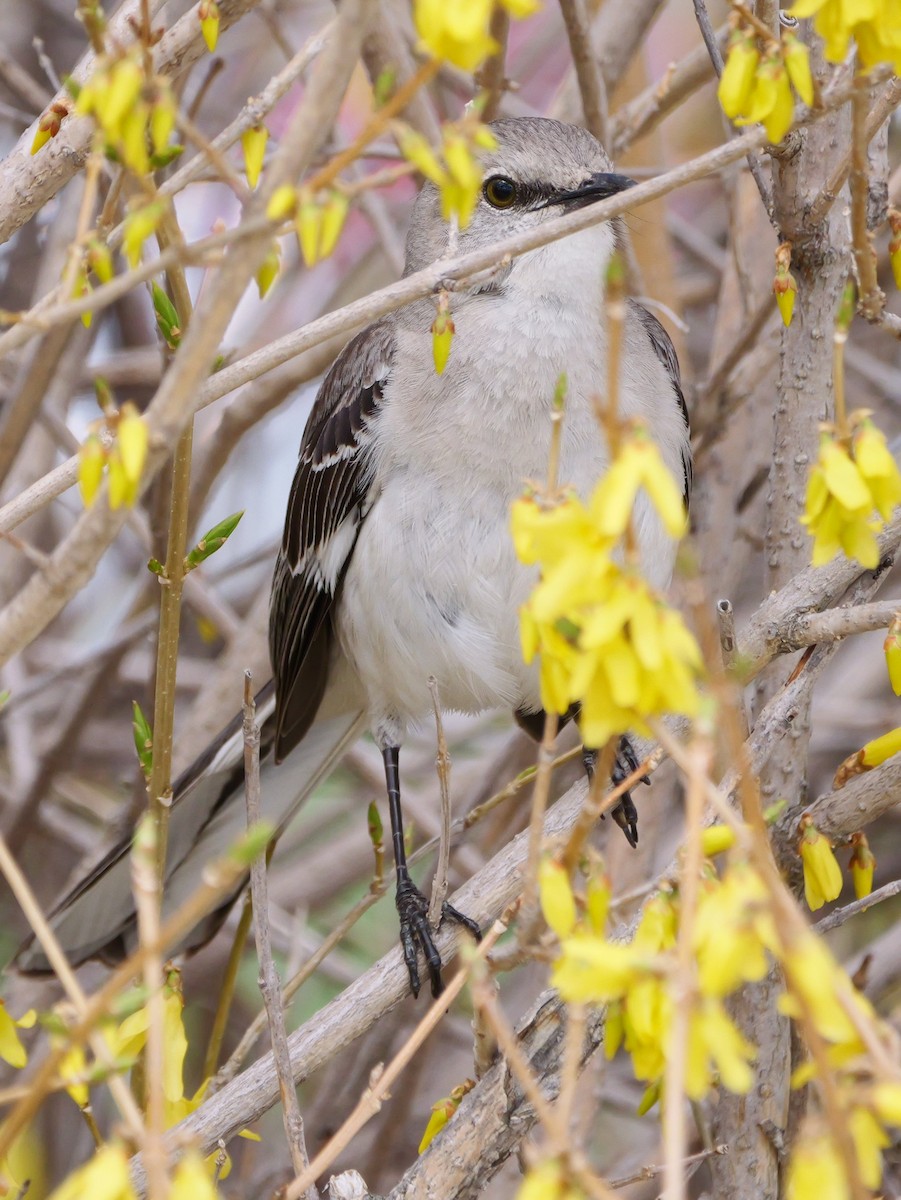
<point>596,187</point>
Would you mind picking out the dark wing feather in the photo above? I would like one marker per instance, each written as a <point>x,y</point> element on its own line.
<point>666,353</point>
<point>329,498</point>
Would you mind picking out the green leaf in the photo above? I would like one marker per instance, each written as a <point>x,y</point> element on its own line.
<point>214,539</point>
<point>166,316</point>
<point>155,566</point>
<point>143,740</point>
<point>164,157</point>
<point>376,829</point>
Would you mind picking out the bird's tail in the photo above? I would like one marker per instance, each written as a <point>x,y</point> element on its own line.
<point>97,918</point>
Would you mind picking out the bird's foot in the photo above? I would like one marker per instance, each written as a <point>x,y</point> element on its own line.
<point>416,933</point>
<point>625,814</point>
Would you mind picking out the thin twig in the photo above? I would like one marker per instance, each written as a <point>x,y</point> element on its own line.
<point>270,986</point>
<point>847,911</point>
<point>371,1101</point>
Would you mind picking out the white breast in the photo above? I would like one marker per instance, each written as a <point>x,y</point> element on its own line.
<point>434,587</point>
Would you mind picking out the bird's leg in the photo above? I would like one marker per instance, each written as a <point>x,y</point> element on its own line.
<point>625,814</point>
<point>412,906</point>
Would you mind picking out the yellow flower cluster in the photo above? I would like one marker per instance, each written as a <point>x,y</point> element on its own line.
<point>757,89</point>
<point>107,1177</point>
<point>734,937</point>
<point>853,479</point>
<point>135,114</point>
<point>459,32</point>
<point>119,445</point>
<point>606,640</point>
<point>318,219</point>
<point>875,25</point>
<point>455,170</point>
<point>549,1180</point>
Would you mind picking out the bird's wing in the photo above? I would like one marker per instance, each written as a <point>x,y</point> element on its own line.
<point>666,353</point>
<point>330,496</point>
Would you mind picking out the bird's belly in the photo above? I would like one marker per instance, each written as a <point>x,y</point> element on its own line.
<point>434,589</point>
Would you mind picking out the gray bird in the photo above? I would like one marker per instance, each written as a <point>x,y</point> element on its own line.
<point>396,562</point>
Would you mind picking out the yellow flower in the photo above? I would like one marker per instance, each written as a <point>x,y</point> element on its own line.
<point>813,972</point>
<point>840,502</point>
<point>874,25</point>
<point>11,1048</point>
<point>191,1180</point>
<point>894,246</point>
<point>268,271</point>
<point>716,839</point>
<point>887,1103</point>
<point>456,173</point>
<point>208,15</point>
<point>308,225</point>
<point>334,212</point>
<point>282,203</point>
<point>862,864</point>
<point>877,467</point>
<point>132,439</point>
<point>816,1170</point>
<point>737,80</point>
<point>892,648</point>
<point>91,461</point>
<point>797,63</point>
<point>614,1028</point>
<point>457,33</point>
<point>49,125</point>
<point>558,904</point>
<point>139,225</point>
<point>637,465</point>
<point>591,970</point>
<point>442,1111</point>
<point>870,1139</point>
<point>716,1046</point>
<point>104,1177</point>
<point>822,874</point>
<point>876,752</point>
<point>771,103</point>
<point>547,1181</point>
<point>253,143</point>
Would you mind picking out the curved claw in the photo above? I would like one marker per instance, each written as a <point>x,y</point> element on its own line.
<point>416,933</point>
<point>625,814</point>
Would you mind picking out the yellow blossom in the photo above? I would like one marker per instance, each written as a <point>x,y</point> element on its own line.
<point>826,989</point>
<point>334,213</point>
<point>892,648</point>
<point>862,864</point>
<point>716,1048</point>
<point>208,15</point>
<point>592,970</point>
<point>456,172</point>
<point>547,1181</point>
<point>797,63</point>
<point>870,1139</point>
<point>253,143</point>
<point>845,487</point>
<point>771,103</point>
<point>637,465</point>
<point>91,461</point>
<point>49,125</point>
<point>132,439</point>
<point>875,752</point>
<point>716,839</point>
<point>191,1180</point>
<point>11,1048</point>
<point>267,273</point>
<point>100,260</point>
<point>139,225</point>
<point>816,1171</point>
<point>136,113</point>
<point>737,80</point>
<point>894,246</point>
<point>558,904</point>
<point>822,874</point>
<point>457,33</point>
<point>442,1111</point>
<point>103,1177</point>
<point>282,203</point>
<point>597,901</point>
<point>875,25</point>
<point>785,289</point>
<point>878,468</point>
<point>887,1103</point>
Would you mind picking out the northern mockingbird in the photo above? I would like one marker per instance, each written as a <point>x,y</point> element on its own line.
<point>397,563</point>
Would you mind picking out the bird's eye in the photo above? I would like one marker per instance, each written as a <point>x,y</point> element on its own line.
<point>500,192</point>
